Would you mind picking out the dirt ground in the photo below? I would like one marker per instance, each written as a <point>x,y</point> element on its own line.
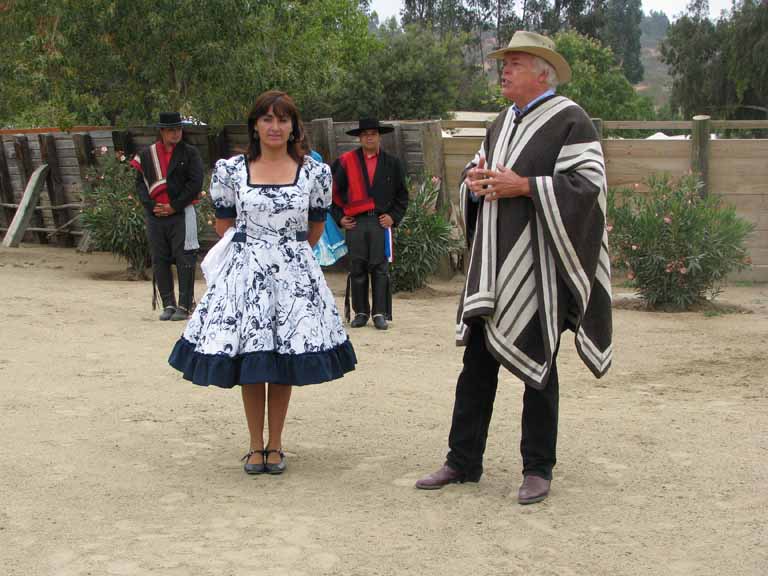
<point>112,464</point>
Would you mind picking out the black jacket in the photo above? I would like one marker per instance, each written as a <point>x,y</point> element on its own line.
<point>184,178</point>
<point>389,190</point>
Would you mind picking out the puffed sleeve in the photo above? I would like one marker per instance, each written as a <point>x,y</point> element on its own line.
<point>222,191</point>
<point>320,193</point>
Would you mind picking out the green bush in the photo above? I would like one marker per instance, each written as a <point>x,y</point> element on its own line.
<point>675,246</point>
<point>114,216</point>
<point>422,239</point>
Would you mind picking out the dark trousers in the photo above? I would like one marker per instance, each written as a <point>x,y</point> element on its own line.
<point>166,244</point>
<point>473,407</point>
<point>366,254</point>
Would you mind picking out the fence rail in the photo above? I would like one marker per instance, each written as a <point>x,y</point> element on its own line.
<point>633,124</point>
<point>735,169</point>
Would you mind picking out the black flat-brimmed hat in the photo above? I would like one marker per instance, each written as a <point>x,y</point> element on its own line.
<point>169,120</point>
<point>370,124</point>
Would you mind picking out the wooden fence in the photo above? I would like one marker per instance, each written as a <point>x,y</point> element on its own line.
<point>734,168</point>
<point>70,154</point>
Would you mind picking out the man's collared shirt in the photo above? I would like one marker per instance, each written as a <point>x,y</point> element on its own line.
<point>520,111</point>
<point>370,165</point>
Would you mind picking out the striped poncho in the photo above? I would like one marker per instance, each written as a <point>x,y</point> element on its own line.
<point>540,265</point>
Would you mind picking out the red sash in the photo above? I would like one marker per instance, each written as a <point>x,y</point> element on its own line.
<point>358,200</point>
<point>155,174</point>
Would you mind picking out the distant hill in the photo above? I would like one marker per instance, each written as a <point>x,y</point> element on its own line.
<point>656,83</point>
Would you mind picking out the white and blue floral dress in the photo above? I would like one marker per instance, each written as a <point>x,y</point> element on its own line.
<point>268,315</point>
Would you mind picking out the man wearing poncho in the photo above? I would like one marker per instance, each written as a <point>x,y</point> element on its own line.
<point>534,200</point>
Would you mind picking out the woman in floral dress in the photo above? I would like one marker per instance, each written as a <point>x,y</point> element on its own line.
<point>268,320</point>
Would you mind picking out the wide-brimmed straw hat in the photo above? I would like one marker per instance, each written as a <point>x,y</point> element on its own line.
<point>169,120</point>
<point>537,45</point>
<point>370,124</point>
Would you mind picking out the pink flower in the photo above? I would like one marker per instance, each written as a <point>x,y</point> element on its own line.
<point>670,267</point>
<point>130,197</point>
<point>631,275</point>
<point>667,220</point>
<point>609,228</point>
<point>104,149</point>
<point>635,246</point>
<point>683,270</point>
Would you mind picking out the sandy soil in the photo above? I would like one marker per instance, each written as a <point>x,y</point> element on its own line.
<point>112,464</point>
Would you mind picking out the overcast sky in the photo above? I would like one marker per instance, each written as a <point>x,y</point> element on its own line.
<point>671,8</point>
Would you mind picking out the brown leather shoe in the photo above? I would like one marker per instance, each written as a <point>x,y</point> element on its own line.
<point>441,477</point>
<point>533,489</point>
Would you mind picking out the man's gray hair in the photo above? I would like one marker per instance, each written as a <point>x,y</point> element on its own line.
<point>540,65</point>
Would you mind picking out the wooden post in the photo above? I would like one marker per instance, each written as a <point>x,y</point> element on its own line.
<point>23,158</point>
<point>400,146</point>
<point>598,124</point>
<point>213,148</point>
<point>26,169</point>
<point>324,139</point>
<point>26,208</point>
<point>432,152</point>
<point>85,159</point>
<point>6,188</point>
<point>700,131</point>
<point>222,144</point>
<point>84,152</point>
<point>55,183</point>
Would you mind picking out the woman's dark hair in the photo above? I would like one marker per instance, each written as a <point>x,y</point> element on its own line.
<point>282,106</point>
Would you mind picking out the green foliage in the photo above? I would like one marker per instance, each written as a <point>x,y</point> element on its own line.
<point>598,84</point>
<point>676,246</point>
<point>409,73</point>
<point>421,240</point>
<point>622,34</point>
<point>122,62</point>
<point>654,25</point>
<point>206,215</point>
<point>720,68</point>
<point>113,214</point>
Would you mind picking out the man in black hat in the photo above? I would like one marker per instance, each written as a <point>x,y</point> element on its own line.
<point>169,178</point>
<point>369,198</point>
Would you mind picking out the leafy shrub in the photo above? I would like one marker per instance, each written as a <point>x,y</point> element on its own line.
<point>114,216</point>
<point>676,246</point>
<point>422,239</point>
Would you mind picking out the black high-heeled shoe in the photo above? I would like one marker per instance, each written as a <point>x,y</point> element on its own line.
<point>259,467</point>
<point>278,468</point>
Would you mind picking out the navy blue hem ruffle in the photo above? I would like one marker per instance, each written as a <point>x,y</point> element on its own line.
<point>256,367</point>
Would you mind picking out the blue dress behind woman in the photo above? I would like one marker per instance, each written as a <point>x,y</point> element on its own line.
<point>331,245</point>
